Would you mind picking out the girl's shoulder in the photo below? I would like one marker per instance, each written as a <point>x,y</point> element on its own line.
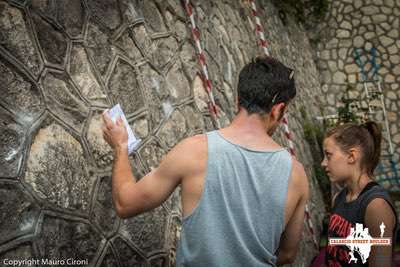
<point>370,191</point>
<point>376,191</point>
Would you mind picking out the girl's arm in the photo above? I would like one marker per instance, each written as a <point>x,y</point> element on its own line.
<point>378,212</point>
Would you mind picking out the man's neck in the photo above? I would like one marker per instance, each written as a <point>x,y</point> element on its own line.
<point>250,131</point>
<point>251,123</point>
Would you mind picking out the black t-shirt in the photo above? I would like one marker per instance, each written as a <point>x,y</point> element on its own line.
<point>344,216</point>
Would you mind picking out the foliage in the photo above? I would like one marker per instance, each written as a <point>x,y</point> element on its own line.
<point>304,10</point>
<point>314,135</point>
<point>345,113</point>
<point>352,109</point>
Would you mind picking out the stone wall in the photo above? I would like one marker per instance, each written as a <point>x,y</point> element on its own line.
<point>63,62</point>
<point>362,26</point>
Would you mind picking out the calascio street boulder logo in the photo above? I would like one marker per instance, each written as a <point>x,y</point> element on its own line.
<point>361,241</point>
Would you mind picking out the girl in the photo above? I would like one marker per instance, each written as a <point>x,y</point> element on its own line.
<point>351,154</point>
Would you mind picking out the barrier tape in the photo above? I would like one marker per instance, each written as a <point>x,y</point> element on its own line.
<point>202,61</point>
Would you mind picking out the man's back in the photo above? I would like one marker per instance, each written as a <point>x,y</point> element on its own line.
<point>265,90</point>
<point>235,202</point>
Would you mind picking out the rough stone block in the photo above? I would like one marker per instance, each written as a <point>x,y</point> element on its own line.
<point>19,93</point>
<point>61,238</point>
<point>63,100</point>
<point>124,87</point>
<point>52,42</point>
<point>19,212</point>
<point>12,139</point>
<point>16,37</point>
<point>84,78</point>
<point>57,170</point>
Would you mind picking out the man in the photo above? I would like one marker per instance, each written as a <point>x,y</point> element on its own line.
<point>243,195</point>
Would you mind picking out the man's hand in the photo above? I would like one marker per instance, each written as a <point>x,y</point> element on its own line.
<point>115,134</point>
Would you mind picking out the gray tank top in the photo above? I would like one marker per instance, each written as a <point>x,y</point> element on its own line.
<point>240,216</point>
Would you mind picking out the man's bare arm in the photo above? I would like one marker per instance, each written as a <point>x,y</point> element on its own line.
<point>131,197</point>
<point>153,189</point>
<point>291,236</point>
<point>122,176</point>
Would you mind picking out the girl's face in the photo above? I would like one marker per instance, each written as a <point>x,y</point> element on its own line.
<point>336,163</point>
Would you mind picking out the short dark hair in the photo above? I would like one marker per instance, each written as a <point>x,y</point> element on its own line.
<point>263,83</point>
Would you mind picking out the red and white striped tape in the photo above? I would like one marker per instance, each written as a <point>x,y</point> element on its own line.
<point>264,45</point>
<point>288,135</point>
<point>202,61</point>
<point>310,226</point>
<point>259,28</point>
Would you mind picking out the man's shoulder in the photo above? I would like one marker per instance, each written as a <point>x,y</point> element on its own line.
<point>297,167</point>
<point>190,155</point>
<point>192,148</point>
<point>299,177</point>
<point>194,142</point>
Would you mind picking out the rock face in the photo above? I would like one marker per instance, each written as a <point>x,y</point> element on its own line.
<point>63,62</point>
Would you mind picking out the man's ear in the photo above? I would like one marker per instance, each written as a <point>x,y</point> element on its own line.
<point>277,111</point>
